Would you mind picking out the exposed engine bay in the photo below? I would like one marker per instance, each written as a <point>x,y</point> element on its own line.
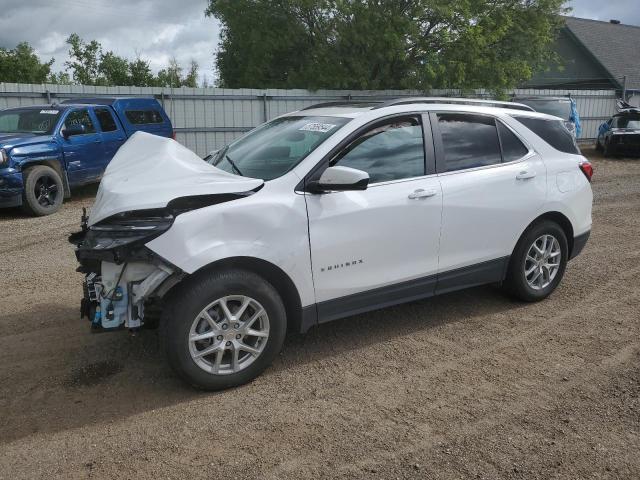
<point>116,298</point>
<point>121,275</point>
<point>148,184</point>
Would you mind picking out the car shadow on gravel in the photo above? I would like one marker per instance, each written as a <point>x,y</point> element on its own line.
<point>102,378</point>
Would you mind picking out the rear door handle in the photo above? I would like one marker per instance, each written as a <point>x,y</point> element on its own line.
<point>525,175</point>
<point>422,193</point>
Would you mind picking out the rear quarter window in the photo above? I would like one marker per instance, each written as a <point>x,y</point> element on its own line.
<point>553,132</point>
<point>143,117</point>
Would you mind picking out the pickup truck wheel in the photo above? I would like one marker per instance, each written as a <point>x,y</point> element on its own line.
<point>43,191</point>
<point>538,262</point>
<point>222,330</point>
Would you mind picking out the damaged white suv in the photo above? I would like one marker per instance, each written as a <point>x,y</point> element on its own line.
<point>325,213</point>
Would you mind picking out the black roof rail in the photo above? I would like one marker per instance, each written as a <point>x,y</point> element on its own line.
<point>455,101</point>
<point>342,103</point>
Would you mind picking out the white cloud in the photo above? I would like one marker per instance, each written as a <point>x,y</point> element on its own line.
<point>627,11</point>
<point>155,29</point>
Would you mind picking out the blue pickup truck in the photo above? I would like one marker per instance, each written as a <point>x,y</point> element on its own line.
<point>45,151</point>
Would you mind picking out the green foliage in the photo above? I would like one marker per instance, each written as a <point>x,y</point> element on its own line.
<point>383,44</point>
<point>89,65</point>
<point>140,74</point>
<point>84,60</point>
<point>22,65</point>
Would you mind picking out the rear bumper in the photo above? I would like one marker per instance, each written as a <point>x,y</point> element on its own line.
<point>10,189</point>
<point>625,145</point>
<point>579,243</point>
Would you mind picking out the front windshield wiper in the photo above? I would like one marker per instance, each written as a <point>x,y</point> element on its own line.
<point>233,165</point>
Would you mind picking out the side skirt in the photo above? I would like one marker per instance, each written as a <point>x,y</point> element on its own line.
<point>480,274</point>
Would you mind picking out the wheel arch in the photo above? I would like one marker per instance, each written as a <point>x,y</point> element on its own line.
<point>271,273</point>
<point>54,163</point>
<point>561,220</point>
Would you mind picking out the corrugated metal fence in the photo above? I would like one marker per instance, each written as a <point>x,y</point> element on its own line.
<point>207,118</point>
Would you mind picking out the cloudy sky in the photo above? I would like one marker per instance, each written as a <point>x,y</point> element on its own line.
<point>160,29</point>
<point>155,29</point>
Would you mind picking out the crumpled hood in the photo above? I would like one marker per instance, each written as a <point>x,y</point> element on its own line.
<point>149,171</point>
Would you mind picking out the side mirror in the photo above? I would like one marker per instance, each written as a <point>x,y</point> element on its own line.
<point>340,179</point>
<point>73,130</point>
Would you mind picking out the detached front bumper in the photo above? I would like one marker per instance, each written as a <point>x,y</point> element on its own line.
<point>11,188</point>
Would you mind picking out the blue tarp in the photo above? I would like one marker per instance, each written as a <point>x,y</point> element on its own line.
<point>575,118</point>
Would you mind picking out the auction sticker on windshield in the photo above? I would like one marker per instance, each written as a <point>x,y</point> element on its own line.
<point>49,112</point>
<point>317,127</point>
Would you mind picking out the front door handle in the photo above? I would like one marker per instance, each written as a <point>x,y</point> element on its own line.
<point>525,175</point>
<point>422,193</point>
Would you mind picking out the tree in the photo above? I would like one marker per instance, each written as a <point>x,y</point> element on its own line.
<point>113,70</point>
<point>84,60</point>
<point>61,78</point>
<point>140,71</point>
<point>90,65</point>
<point>191,79</point>
<point>380,44</point>
<point>170,76</point>
<point>22,65</point>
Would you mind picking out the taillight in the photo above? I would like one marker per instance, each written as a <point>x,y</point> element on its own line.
<point>587,169</point>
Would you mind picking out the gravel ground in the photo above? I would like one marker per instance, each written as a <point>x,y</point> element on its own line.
<point>467,385</point>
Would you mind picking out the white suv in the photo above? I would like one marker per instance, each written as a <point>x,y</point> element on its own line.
<point>325,213</point>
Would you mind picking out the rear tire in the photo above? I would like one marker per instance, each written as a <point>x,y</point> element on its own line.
<point>43,191</point>
<point>607,151</point>
<point>206,306</point>
<point>534,269</point>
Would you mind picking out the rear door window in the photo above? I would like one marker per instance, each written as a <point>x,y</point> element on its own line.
<point>512,148</point>
<point>468,141</point>
<point>144,117</point>
<point>106,120</point>
<point>553,132</point>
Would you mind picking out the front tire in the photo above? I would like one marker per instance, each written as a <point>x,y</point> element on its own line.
<point>223,329</point>
<point>43,191</point>
<point>538,262</point>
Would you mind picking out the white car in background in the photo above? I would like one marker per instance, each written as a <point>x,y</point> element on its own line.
<point>325,213</point>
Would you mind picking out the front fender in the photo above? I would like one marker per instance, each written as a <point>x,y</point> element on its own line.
<point>41,153</point>
<point>266,226</point>
<point>36,153</point>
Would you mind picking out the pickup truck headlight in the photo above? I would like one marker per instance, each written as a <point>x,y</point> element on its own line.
<point>4,158</point>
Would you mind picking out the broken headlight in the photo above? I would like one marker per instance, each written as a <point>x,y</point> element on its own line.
<point>127,227</point>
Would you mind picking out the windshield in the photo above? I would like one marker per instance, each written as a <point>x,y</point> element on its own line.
<point>31,120</point>
<point>272,149</point>
<point>558,108</point>
<point>626,121</point>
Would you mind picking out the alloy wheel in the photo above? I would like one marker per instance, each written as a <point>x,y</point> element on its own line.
<point>229,334</point>
<point>542,262</point>
<point>46,191</point>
